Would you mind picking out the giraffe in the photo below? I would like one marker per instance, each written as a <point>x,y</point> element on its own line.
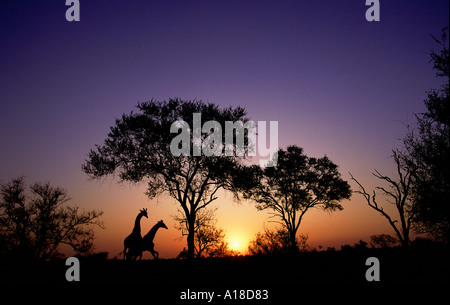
<point>147,241</point>
<point>133,241</point>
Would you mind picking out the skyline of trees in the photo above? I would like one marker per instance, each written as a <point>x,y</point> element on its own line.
<point>420,192</point>
<point>138,148</point>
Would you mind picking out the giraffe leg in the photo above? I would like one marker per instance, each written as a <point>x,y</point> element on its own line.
<point>154,253</point>
<point>124,252</point>
<point>152,250</point>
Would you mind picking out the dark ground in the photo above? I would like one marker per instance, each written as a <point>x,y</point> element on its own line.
<point>283,276</point>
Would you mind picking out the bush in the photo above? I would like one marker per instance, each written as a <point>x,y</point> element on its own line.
<point>34,227</point>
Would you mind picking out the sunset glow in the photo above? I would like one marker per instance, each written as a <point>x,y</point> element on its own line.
<point>238,244</point>
<point>337,85</point>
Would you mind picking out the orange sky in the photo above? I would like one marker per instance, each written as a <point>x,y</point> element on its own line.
<point>121,203</point>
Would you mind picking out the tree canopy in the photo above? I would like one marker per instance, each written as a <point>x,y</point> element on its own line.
<point>34,227</point>
<point>296,184</point>
<point>427,153</point>
<point>138,148</point>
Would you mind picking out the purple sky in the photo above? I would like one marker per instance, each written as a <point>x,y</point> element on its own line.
<point>337,84</point>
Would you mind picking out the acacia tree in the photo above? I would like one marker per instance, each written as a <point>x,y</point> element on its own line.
<point>35,226</point>
<point>295,185</point>
<point>139,148</point>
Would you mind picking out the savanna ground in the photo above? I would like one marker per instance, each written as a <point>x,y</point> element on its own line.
<point>284,276</point>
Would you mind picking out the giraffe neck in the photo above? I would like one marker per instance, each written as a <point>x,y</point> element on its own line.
<point>137,224</point>
<point>151,234</point>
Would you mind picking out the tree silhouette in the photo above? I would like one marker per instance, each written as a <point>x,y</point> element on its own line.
<point>295,185</point>
<point>35,227</point>
<point>270,242</point>
<point>138,147</point>
<point>209,239</point>
<point>427,150</point>
<point>382,241</point>
<point>398,193</point>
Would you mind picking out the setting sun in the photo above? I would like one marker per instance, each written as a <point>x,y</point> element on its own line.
<point>237,244</point>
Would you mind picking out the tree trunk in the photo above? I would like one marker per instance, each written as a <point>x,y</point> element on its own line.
<point>293,241</point>
<point>405,241</point>
<point>191,236</point>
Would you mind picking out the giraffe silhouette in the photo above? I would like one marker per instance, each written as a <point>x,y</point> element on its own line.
<point>133,242</point>
<point>147,241</point>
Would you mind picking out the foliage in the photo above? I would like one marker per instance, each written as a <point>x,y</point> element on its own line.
<point>138,149</point>
<point>35,227</point>
<point>296,184</point>
<point>427,150</point>
<point>270,242</point>
<point>209,240</point>
<point>382,241</point>
<point>276,241</point>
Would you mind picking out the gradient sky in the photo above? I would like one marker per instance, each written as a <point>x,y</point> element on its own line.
<point>337,84</point>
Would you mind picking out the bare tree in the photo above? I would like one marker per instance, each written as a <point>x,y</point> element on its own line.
<point>398,193</point>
